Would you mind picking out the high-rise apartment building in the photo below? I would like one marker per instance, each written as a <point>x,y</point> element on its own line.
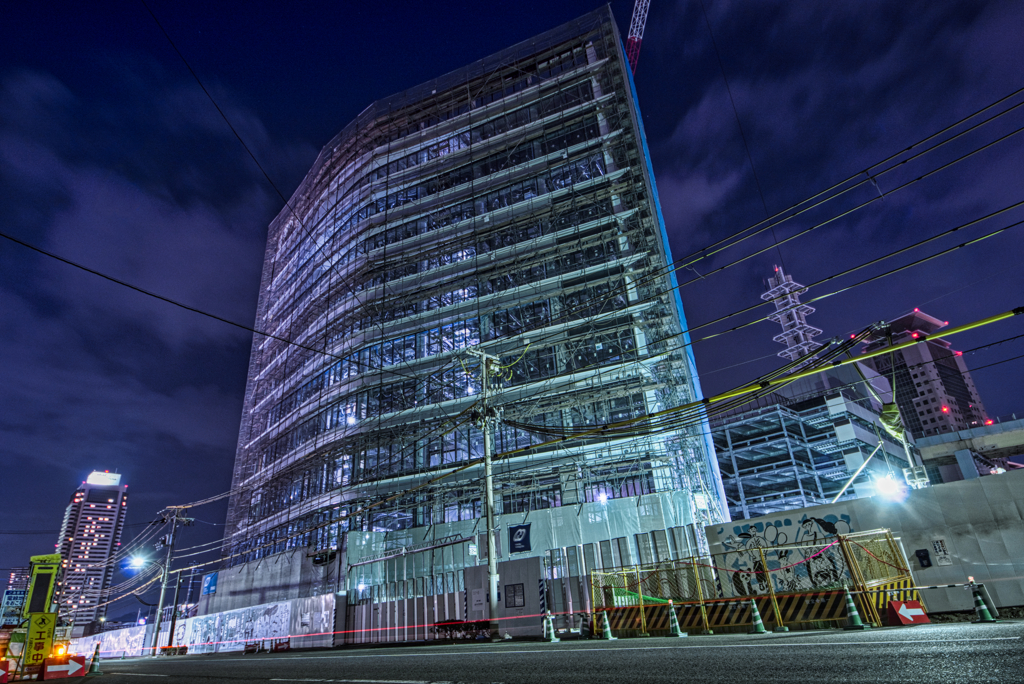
<point>934,390</point>
<point>18,578</point>
<point>508,207</point>
<point>89,538</point>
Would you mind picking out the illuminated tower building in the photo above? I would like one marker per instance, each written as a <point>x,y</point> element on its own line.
<point>508,207</point>
<point>89,538</point>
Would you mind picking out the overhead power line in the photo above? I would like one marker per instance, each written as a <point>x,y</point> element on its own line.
<point>749,390</point>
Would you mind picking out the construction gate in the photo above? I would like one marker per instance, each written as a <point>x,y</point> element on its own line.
<point>791,584</point>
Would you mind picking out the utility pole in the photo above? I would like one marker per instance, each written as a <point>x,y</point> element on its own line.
<point>168,541</point>
<point>485,421</point>
<point>174,609</point>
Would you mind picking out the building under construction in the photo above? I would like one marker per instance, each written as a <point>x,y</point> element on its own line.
<point>508,207</point>
<point>815,440</point>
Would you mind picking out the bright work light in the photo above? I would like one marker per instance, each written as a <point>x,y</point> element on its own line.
<point>889,488</point>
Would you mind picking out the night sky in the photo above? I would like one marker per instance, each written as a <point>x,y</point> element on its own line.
<point>112,156</point>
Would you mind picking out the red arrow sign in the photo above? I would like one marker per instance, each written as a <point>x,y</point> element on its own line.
<point>907,613</point>
<point>4,664</point>
<point>62,668</point>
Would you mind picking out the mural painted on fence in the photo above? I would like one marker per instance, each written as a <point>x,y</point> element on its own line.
<point>231,630</point>
<point>128,642</point>
<point>755,553</point>
<point>314,615</point>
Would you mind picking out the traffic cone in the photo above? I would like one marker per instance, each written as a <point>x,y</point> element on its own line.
<point>94,666</point>
<point>606,629</point>
<point>673,622</point>
<point>981,608</point>
<point>757,627</point>
<point>549,629</point>
<point>853,620</point>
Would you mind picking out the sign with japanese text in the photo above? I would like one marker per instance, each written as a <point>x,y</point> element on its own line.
<point>12,606</point>
<point>39,641</point>
<point>941,552</point>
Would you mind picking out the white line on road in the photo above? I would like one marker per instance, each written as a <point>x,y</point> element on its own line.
<point>358,681</point>
<point>783,644</point>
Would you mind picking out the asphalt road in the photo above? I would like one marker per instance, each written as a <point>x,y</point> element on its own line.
<point>928,653</point>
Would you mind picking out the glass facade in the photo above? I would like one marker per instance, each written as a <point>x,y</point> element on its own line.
<point>510,207</point>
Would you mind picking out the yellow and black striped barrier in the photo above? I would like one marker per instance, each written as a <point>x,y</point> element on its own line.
<point>823,606</point>
<point>900,590</point>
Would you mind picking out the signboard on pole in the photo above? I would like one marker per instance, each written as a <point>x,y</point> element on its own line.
<point>519,538</point>
<point>12,606</point>
<point>209,584</point>
<point>41,583</point>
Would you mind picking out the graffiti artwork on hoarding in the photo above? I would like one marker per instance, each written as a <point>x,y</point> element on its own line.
<point>314,615</point>
<point>758,551</point>
<point>201,634</point>
<point>258,623</point>
<point>128,642</point>
<point>804,530</point>
<point>312,618</point>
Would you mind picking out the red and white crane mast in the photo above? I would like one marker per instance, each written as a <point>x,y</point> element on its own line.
<point>636,32</point>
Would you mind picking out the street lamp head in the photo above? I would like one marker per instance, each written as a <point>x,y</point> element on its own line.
<point>137,562</point>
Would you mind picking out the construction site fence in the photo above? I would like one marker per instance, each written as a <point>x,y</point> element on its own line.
<point>790,584</point>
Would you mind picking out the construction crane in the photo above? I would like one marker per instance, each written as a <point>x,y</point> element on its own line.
<point>636,32</point>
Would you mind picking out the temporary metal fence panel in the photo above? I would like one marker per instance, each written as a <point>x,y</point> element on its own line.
<point>795,583</point>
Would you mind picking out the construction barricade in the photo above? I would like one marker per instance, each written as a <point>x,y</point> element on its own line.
<point>794,584</point>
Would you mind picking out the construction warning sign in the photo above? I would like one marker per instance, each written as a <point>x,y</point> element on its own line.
<point>39,642</point>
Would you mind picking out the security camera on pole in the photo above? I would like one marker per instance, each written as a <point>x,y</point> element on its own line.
<point>485,421</point>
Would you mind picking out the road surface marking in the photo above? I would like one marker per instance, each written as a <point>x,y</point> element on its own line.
<point>762,644</point>
<point>359,681</point>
